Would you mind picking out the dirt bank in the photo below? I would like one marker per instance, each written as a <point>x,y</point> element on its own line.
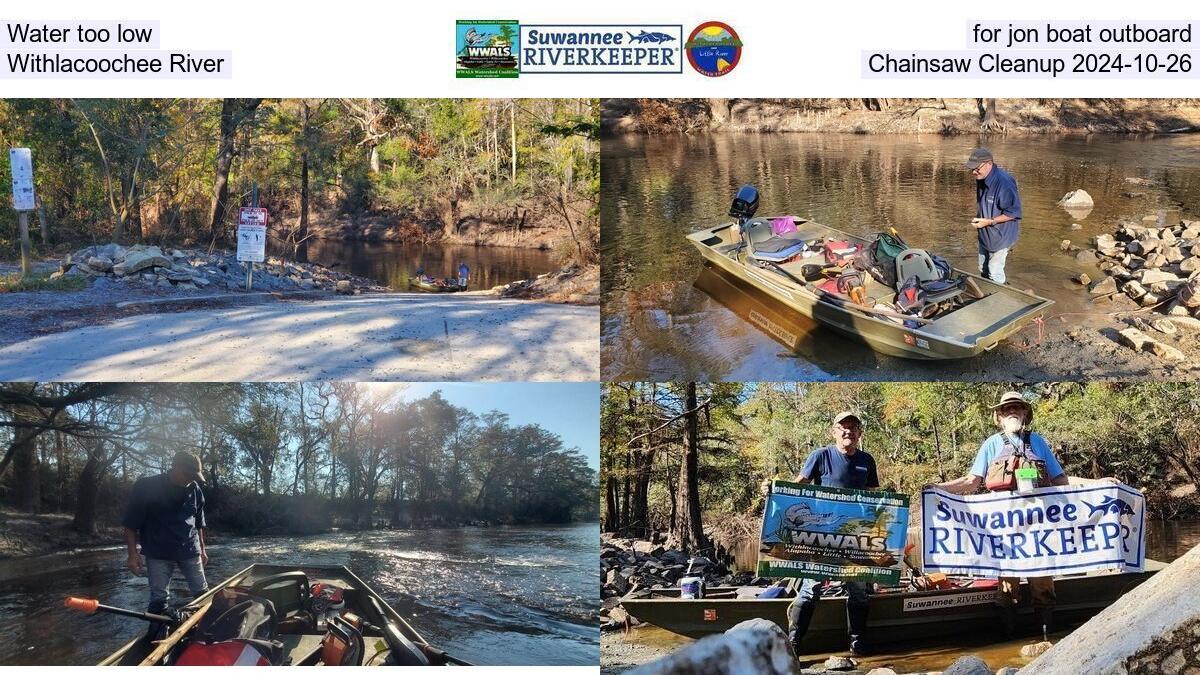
<point>24,534</point>
<point>899,116</point>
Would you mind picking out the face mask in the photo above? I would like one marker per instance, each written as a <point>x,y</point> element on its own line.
<point>1012,425</point>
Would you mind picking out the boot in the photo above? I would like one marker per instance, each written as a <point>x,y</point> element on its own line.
<point>856,616</point>
<point>799,617</point>
<point>1008,619</point>
<point>1046,614</point>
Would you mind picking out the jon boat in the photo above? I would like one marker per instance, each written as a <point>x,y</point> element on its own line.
<point>896,615</point>
<point>387,638</point>
<point>966,331</point>
<point>434,288</point>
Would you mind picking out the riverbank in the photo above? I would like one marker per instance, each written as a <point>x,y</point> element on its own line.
<point>24,535</point>
<point>898,116</point>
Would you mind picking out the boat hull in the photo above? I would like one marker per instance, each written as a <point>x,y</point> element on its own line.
<point>894,617</point>
<point>944,339</point>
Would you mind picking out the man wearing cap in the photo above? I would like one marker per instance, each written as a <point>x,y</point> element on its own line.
<point>165,514</point>
<point>1013,414</point>
<point>842,465</point>
<point>997,219</point>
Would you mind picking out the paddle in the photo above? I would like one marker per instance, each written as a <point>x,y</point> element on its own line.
<point>91,606</point>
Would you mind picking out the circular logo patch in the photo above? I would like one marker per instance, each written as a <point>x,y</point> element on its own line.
<point>714,48</point>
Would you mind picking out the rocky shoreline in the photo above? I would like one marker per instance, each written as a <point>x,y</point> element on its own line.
<point>194,269</point>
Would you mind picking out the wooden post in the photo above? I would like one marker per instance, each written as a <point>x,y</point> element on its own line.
<point>25,246</point>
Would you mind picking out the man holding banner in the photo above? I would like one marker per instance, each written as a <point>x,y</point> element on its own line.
<point>1015,462</point>
<point>841,465</point>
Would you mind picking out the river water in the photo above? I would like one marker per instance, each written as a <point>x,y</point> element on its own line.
<point>1165,541</point>
<point>658,325</point>
<point>392,264</point>
<point>497,596</point>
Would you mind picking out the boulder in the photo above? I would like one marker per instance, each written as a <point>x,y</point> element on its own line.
<point>754,646</point>
<point>1086,256</point>
<point>968,665</point>
<point>835,663</point>
<point>1156,260</point>
<point>1189,294</point>
<point>345,288</point>
<point>1134,339</point>
<point>1189,265</point>
<point>1065,245</point>
<point>1133,289</point>
<point>1076,199</point>
<point>1150,277</point>
<point>1150,629</point>
<point>136,261</point>
<point>1105,286</point>
<point>1082,278</point>
<point>1167,352</point>
<point>1036,649</point>
<point>100,263</point>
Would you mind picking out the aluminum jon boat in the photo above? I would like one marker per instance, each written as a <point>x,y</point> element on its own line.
<point>896,615</point>
<point>384,637</point>
<point>968,330</point>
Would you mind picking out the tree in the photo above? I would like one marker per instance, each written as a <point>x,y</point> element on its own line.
<point>234,112</point>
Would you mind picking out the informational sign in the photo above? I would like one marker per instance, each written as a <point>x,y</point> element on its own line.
<point>1043,532</point>
<point>252,234</point>
<point>832,533</point>
<point>22,179</point>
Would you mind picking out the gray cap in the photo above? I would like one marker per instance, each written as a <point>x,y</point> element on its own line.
<point>845,415</point>
<point>979,156</point>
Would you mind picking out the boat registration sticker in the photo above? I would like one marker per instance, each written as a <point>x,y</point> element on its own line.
<point>950,600</point>
<point>910,339</point>
<point>710,615</point>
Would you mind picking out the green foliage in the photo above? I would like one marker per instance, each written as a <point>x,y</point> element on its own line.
<point>15,282</point>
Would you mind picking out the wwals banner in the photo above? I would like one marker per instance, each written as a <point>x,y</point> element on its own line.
<point>1048,531</point>
<point>832,533</point>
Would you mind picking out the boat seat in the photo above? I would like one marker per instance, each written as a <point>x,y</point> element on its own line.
<point>289,593</point>
<point>777,248</point>
<point>916,262</point>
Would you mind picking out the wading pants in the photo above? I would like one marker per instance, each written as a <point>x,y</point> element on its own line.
<point>800,612</point>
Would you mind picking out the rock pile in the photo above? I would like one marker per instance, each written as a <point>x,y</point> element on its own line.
<point>572,284</point>
<point>1156,265</point>
<point>192,269</point>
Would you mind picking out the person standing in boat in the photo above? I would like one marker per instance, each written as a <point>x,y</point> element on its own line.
<point>842,465</point>
<point>1013,414</point>
<point>165,515</point>
<point>997,219</point>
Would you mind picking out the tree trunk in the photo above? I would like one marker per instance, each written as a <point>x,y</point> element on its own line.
<point>690,529</point>
<point>25,471</point>
<point>89,489</point>
<point>233,110</point>
<point>512,131</point>
<point>989,122</point>
<point>301,245</point>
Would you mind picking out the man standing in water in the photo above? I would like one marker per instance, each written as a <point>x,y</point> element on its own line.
<point>841,465</point>
<point>464,274</point>
<point>997,219</point>
<point>166,515</point>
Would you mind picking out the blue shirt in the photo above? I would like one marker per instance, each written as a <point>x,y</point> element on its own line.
<point>996,195</point>
<point>167,517</point>
<point>994,447</point>
<point>829,467</point>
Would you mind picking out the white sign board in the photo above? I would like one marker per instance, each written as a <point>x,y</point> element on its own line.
<point>22,179</point>
<point>252,235</point>
<point>1047,531</point>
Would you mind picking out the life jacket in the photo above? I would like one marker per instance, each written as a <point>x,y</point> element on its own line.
<point>1002,472</point>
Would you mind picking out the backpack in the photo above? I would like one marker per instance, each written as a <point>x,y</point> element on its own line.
<point>879,258</point>
<point>1002,472</point>
<point>910,297</point>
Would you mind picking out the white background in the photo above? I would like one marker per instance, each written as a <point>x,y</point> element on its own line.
<point>406,49</point>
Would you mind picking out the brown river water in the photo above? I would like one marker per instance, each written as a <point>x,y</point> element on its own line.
<point>1165,541</point>
<point>392,264</point>
<point>658,325</point>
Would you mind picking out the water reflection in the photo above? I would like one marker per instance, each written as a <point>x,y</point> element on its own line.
<point>655,189</point>
<point>392,264</point>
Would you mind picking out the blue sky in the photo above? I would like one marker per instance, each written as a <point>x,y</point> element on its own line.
<point>569,409</point>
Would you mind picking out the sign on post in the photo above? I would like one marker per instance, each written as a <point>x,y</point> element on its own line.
<point>821,532</point>
<point>252,234</point>
<point>22,179</point>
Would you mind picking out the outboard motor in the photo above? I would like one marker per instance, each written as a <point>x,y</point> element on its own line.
<point>745,203</point>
